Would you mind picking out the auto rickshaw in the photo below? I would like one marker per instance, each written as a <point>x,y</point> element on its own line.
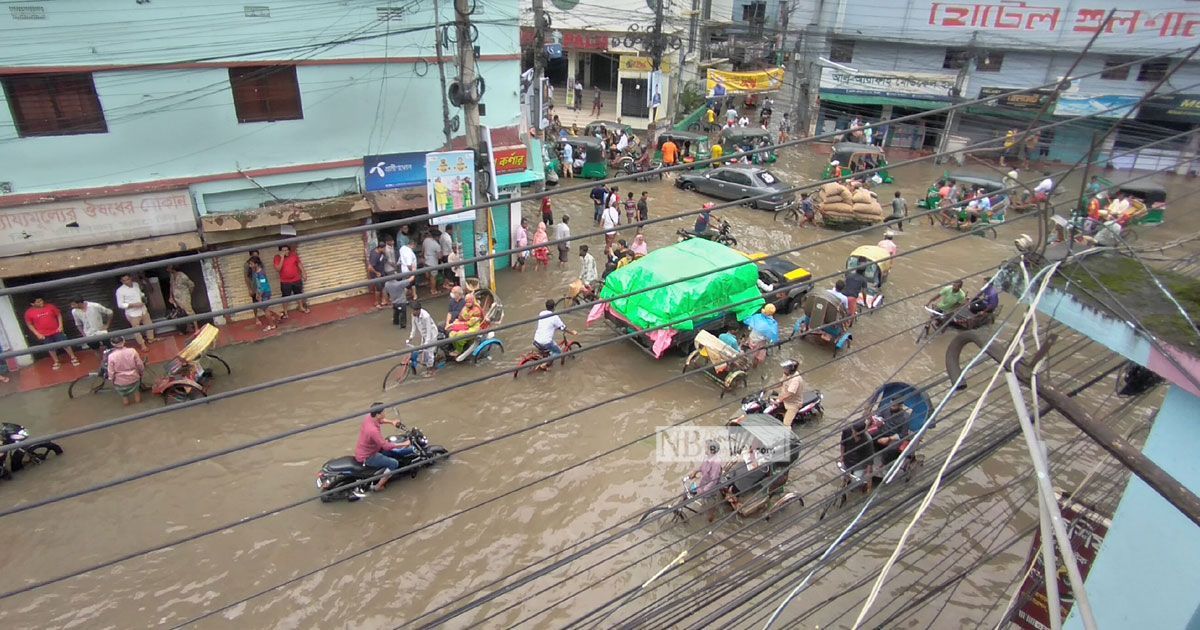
<point>823,322</point>
<point>855,157</point>
<point>875,263</point>
<point>587,148</point>
<point>190,373</point>
<point>723,363</point>
<point>1149,201</point>
<point>700,149</point>
<point>735,139</point>
<point>599,127</point>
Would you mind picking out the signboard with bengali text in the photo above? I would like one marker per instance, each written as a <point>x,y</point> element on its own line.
<point>394,170</point>
<point>83,222</point>
<point>511,159</point>
<point>907,84</point>
<point>768,80</point>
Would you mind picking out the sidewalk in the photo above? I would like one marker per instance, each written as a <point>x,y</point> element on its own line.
<point>40,375</point>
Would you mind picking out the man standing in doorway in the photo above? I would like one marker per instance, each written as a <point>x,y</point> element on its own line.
<point>181,292</point>
<point>45,322</point>
<point>291,276</point>
<point>91,319</point>
<point>132,300</point>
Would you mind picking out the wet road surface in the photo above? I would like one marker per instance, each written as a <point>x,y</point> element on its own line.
<point>423,571</point>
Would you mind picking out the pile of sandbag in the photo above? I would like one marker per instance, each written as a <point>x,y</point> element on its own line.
<point>866,206</point>
<point>839,203</point>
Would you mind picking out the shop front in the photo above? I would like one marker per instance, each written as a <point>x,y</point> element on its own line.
<point>328,262</point>
<point>516,167</point>
<point>1158,120</point>
<point>873,97</point>
<point>584,55</point>
<point>643,92</point>
<point>65,239</point>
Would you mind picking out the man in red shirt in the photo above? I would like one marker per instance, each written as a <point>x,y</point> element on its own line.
<point>46,323</point>
<point>291,276</point>
<point>375,452</point>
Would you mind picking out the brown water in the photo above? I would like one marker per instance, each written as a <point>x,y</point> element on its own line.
<point>423,571</point>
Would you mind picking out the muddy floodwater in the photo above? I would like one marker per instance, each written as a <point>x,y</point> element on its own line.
<point>454,554</point>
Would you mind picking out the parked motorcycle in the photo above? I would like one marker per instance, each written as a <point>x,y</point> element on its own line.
<point>29,451</point>
<point>720,235</point>
<point>764,402</point>
<point>337,478</point>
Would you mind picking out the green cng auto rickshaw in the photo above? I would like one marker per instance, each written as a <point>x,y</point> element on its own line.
<point>601,126</point>
<point>698,143</point>
<point>854,157</point>
<point>735,139</point>
<point>585,148</point>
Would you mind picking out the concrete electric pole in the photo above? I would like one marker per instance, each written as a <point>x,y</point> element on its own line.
<point>437,22</point>
<point>470,104</point>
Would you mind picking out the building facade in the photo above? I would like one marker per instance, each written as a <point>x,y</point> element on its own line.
<point>880,62</point>
<point>144,136</point>
<point>601,50</point>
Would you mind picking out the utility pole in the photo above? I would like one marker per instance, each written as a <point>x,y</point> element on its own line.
<point>814,44</point>
<point>952,117</point>
<point>437,29</point>
<point>657,48</point>
<point>781,40</point>
<point>539,48</point>
<point>470,106</point>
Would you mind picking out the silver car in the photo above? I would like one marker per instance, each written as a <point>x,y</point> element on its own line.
<point>740,182</point>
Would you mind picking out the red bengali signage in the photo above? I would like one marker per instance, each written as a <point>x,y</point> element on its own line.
<point>573,40</point>
<point>510,159</point>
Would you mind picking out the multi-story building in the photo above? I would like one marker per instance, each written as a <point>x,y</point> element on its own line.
<point>881,61</point>
<point>139,131</point>
<point>601,50</point>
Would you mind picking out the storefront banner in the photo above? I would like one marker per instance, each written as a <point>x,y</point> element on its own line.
<point>510,159</point>
<point>1172,108</point>
<point>634,63</point>
<point>83,222</point>
<point>1028,100</point>
<point>745,82</point>
<point>910,84</point>
<point>394,170</point>
<point>450,186</point>
<point>1106,106</point>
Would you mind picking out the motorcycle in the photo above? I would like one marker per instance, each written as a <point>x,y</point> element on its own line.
<point>720,235</point>
<point>31,452</point>
<point>339,478</point>
<point>811,411</point>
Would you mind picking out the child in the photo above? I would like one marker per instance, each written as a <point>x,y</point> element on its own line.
<point>541,255</point>
<point>630,208</point>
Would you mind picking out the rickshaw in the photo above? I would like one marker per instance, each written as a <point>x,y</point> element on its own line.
<point>677,301</point>
<point>723,363</point>
<point>190,373</point>
<point>700,149</point>
<point>876,263</point>
<point>736,139</point>
<point>578,293</point>
<point>919,406</point>
<point>823,322</point>
<point>995,189</point>
<point>595,166</point>
<point>760,452</point>
<point>475,345</point>
<point>1148,201</point>
<point>855,157</point>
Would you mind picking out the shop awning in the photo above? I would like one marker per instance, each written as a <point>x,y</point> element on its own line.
<point>79,258</point>
<point>881,99</point>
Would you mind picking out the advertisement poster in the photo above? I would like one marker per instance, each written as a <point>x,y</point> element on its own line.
<point>654,94</point>
<point>450,186</point>
<point>745,82</point>
<point>394,170</point>
<point>1105,106</point>
<point>901,84</point>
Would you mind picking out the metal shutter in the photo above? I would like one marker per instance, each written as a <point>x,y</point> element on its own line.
<point>329,262</point>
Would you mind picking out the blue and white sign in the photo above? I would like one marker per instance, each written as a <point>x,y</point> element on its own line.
<point>394,170</point>
<point>1105,106</point>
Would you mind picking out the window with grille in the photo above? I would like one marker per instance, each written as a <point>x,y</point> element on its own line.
<point>754,12</point>
<point>842,51</point>
<point>955,59</point>
<point>990,62</point>
<point>265,93</point>
<point>54,104</point>
<point>1115,70</point>
<point>1154,70</point>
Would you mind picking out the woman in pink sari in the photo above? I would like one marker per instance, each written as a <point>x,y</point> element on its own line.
<point>541,255</point>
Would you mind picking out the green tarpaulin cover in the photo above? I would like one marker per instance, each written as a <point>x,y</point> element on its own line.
<point>717,290</point>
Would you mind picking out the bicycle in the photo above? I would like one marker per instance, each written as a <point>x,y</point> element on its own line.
<point>537,354</point>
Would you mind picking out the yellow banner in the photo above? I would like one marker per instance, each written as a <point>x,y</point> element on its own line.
<point>634,63</point>
<point>745,82</point>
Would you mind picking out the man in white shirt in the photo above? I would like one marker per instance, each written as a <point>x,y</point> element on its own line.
<point>408,264</point>
<point>562,232</point>
<point>1042,191</point>
<point>609,221</point>
<point>623,143</point>
<point>426,332</point>
<point>548,324</point>
<point>131,300</point>
<point>836,294</point>
<point>731,116</point>
<point>91,319</point>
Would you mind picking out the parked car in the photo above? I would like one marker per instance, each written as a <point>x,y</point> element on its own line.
<point>741,181</point>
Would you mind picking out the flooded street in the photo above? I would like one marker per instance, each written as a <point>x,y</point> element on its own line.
<point>451,554</point>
